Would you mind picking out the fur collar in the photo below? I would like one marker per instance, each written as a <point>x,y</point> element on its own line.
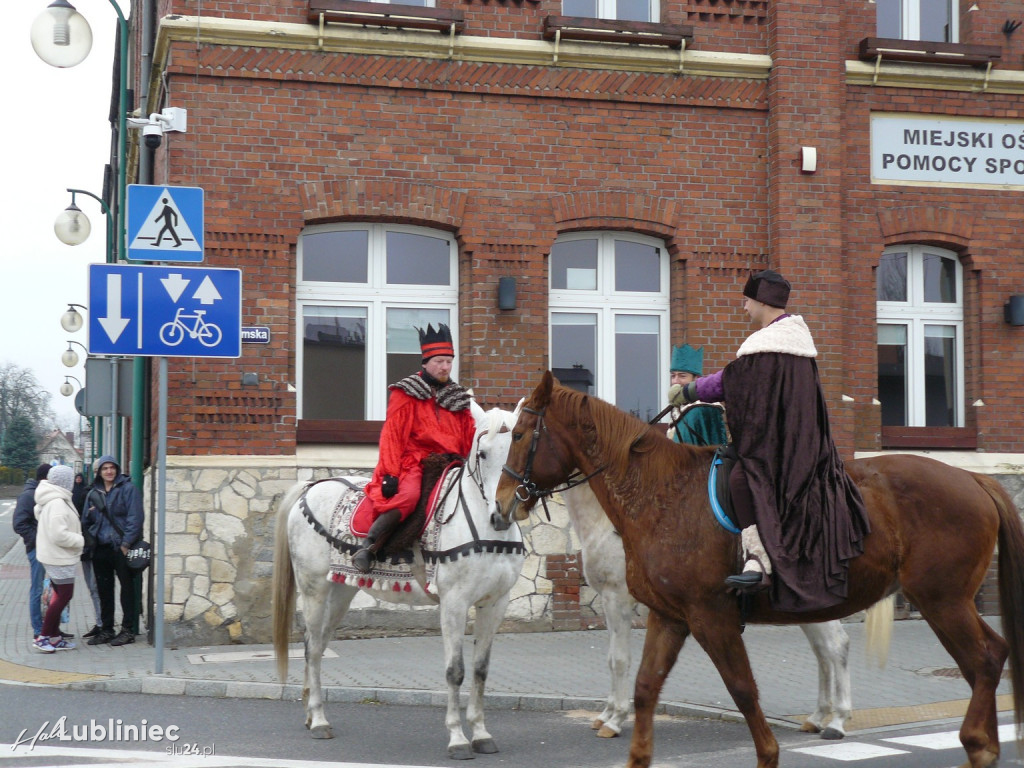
<point>452,396</point>
<point>789,336</point>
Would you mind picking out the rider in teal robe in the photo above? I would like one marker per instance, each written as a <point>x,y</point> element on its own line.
<point>697,423</point>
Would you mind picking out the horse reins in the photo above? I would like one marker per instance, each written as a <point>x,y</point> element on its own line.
<point>527,488</point>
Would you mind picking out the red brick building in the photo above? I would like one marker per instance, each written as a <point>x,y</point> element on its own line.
<point>371,167</point>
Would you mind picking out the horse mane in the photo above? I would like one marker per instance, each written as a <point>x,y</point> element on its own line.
<point>622,436</point>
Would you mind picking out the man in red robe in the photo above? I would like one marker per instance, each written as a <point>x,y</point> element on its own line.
<point>428,412</point>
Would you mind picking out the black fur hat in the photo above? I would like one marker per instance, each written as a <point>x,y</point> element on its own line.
<point>768,287</point>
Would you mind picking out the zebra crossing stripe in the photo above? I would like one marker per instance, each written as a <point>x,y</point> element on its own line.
<point>854,750</point>
<point>849,752</point>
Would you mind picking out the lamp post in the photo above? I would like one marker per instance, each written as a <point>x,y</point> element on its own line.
<point>72,226</point>
<point>69,357</point>
<point>62,38</point>
<point>66,389</point>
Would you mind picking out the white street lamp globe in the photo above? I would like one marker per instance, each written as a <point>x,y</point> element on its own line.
<point>69,358</point>
<point>61,36</point>
<point>66,389</point>
<point>71,321</point>
<point>72,227</point>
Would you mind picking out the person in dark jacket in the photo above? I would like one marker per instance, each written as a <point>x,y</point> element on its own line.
<point>78,493</point>
<point>25,525</point>
<point>113,516</point>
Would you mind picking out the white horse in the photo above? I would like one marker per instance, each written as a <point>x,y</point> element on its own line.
<point>481,577</point>
<point>604,566</point>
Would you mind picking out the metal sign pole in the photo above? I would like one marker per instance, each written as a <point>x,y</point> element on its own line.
<point>161,515</point>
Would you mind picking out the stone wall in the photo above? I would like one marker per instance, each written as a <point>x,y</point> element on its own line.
<point>220,551</point>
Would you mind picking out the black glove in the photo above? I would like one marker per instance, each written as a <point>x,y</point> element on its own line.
<point>389,486</point>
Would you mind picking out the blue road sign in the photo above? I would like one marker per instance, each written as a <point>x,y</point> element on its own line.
<point>165,223</point>
<point>164,311</point>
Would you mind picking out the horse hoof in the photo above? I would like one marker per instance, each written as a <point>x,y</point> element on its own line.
<point>607,733</point>
<point>461,752</point>
<point>322,732</point>
<point>832,734</point>
<point>597,724</point>
<point>485,747</point>
<point>809,727</point>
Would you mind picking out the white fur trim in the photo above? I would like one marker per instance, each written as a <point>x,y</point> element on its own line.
<point>789,336</point>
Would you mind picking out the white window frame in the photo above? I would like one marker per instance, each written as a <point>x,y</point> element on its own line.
<point>608,9</point>
<point>910,20</point>
<point>606,303</point>
<point>377,297</point>
<point>914,314</point>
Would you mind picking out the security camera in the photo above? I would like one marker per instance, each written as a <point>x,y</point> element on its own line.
<point>159,123</point>
<point>152,135</point>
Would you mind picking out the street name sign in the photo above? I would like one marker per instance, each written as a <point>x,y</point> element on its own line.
<point>165,223</point>
<point>164,311</point>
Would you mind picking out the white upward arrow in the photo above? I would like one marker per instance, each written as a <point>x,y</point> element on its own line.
<point>113,323</point>
<point>206,292</point>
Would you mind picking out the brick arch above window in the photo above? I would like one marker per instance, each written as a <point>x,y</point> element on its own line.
<point>367,199</point>
<point>609,209</point>
<point>926,224</point>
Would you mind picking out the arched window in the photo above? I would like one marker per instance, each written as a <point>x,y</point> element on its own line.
<point>609,305</point>
<point>920,337</point>
<point>363,290</point>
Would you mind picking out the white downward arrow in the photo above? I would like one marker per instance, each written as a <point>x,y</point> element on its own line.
<point>113,323</point>
<point>175,285</point>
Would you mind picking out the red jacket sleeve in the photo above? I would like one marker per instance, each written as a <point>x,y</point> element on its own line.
<point>394,435</point>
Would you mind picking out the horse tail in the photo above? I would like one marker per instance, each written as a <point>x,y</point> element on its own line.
<point>878,630</point>
<point>1011,585</point>
<point>283,598</point>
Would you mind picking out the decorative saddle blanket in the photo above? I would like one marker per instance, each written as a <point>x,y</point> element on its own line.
<point>396,571</point>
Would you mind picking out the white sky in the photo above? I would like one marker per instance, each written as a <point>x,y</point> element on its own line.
<point>57,136</point>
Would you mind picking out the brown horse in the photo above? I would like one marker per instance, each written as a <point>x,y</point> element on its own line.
<point>933,531</point>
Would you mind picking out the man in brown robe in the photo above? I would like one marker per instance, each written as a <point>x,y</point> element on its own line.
<point>801,516</point>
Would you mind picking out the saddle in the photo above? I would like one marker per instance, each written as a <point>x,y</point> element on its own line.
<point>409,530</point>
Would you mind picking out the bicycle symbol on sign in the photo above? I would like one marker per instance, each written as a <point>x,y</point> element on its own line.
<point>173,333</point>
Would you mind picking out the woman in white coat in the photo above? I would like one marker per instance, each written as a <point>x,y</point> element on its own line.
<point>59,544</point>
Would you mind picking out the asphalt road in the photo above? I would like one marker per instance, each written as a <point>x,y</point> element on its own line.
<point>244,732</point>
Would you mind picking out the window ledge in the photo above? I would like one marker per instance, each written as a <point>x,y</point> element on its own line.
<point>615,31</point>
<point>338,431</point>
<point>877,49</point>
<point>957,438</point>
<point>385,15</point>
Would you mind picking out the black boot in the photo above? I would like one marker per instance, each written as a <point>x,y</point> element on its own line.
<point>363,559</point>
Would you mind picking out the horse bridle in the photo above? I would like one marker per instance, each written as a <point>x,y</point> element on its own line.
<point>527,488</point>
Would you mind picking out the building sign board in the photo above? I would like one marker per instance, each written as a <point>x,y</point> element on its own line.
<point>947,151</point>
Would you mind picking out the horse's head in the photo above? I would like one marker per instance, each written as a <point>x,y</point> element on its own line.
<point>537,461</point>
<point>490,445</point>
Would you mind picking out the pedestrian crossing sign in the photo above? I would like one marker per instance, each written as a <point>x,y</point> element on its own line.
<point>165,223</point>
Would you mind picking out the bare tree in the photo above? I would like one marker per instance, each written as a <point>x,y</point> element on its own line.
<point>22,395</point>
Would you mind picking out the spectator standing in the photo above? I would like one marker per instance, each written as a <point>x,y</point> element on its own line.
<point>25,526</point>
<point>78,495</point>
<point>59,544</point>
<point>113,516</point>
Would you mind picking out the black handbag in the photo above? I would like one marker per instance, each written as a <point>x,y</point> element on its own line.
<point>140,554</point>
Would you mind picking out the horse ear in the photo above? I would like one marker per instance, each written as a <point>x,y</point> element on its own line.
<point>479,414</point>
<point>542,394</point>
<point>514,417</point>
